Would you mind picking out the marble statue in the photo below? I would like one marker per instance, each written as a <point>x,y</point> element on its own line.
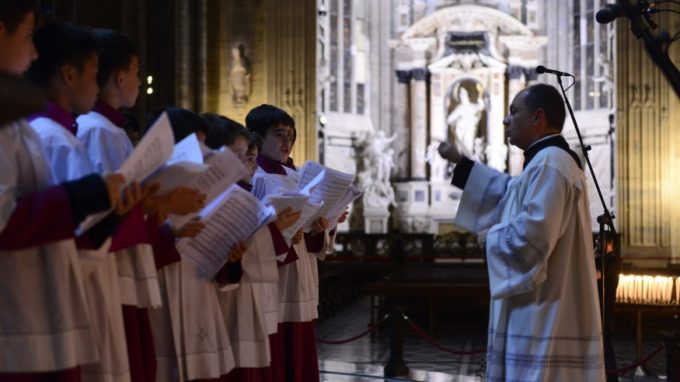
<point>239,76</point>
<point>463,122</point>
<point>376,159</point>
<point>438,165</point>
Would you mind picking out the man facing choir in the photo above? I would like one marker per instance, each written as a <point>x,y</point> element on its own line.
<point>544,321</point>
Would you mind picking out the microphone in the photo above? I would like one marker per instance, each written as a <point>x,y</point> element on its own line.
<point>609,13</point>
<point>540,69</point>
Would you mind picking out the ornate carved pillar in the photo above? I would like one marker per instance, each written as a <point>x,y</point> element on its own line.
<point>402,121</point>
<point>647,155</point>
<point>419,123</point>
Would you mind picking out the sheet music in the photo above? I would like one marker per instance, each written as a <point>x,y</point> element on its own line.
<point>232,217</point>
<point>350,196</point>
<point>330,190</point>
<point>309,211</point>
<point>175,175</point>
<point>280,202</point>
<point>156,146</point>
<point>187,150</point>
<point>224,170</point>
<point>151,152</point>
<point>308,172</point>
<point>268,184</point>
<point>296,202</point>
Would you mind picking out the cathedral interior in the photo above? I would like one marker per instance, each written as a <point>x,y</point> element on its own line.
<point>374,86</point>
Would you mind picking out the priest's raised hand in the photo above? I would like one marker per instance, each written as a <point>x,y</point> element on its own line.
<point>449,152</point>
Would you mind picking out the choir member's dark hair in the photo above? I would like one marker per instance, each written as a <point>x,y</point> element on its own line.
<point>548,98</point>
<point>184,122</point>
<point>223,131</point>
<point>116,52</point>
<point>60,44</point>
<point>13,12</point>
<point>265,117</point>
<point>255,142</point>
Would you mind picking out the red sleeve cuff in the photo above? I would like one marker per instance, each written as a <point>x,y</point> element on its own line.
<point>461,172</point>
<point>131,231</point>
<point>314,242</point>
<point>280,245</point>
<point>291,257</point>
<point>39,218</point>
<point>230,273</point>
<point>164,250</point>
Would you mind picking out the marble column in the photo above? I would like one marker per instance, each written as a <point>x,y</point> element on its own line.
<point>402,122</point>
<point>419,123</point>
<point>497,150</point>
<point>515,84</point>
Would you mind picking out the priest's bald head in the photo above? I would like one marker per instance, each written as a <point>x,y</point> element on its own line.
<point>536,112</point>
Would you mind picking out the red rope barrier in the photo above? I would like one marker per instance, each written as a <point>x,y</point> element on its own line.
<point>340,342</point>
<point>437,344</point>
<point>635,364</point>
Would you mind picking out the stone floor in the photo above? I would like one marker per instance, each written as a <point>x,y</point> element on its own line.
<point>363,360</point>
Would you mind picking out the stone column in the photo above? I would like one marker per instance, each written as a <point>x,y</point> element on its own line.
<point>419,123</point>
<point>496,150</point>
<point>402,121</point>
<point>515,84</point>
<point>648,188</point>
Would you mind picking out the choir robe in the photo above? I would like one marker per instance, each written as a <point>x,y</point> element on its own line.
<point>108,146</point>
<point>190,334</point>
<point>251,310</point>
<point>544,320</point>
<point>45,324</point>
<point>69,161</point>
<point>298,297</point>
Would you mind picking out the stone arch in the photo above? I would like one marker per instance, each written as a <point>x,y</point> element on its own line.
<point>470,17</point>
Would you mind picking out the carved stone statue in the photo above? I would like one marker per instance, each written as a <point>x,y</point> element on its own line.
<point>463,122</point>
<point>438,165</point>
<point>239,76</point>
<point>376,160</point>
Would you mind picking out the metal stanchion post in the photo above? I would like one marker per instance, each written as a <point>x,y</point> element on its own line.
<point>672,345</point>
<point>396,367</point>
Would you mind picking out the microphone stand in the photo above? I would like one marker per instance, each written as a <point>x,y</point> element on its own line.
<point>606,220</point>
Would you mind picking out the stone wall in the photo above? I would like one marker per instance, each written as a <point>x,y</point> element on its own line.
<point>186,45</point>
<point>648,151</point>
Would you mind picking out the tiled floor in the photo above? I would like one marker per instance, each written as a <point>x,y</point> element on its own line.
<point>363,360</point>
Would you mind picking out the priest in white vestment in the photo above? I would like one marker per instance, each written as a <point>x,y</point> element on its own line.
<point>544,318</point>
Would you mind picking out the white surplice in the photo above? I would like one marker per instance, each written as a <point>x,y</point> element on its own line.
<point>69,160</point>
<point>544,320</point>
<point>44,317</point>
<point>190,335</point>
<point>98,132</point>
<point>299,282</point>
<point>107,146</point>
<point>246,308</point>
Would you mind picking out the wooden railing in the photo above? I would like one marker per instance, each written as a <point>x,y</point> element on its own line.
<point>401,247</point>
